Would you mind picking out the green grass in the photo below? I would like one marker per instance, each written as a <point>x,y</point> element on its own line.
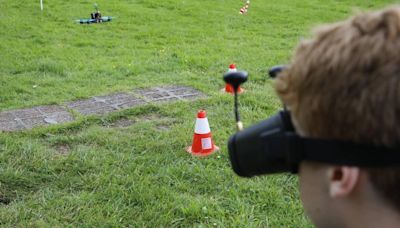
<point>141,175</point>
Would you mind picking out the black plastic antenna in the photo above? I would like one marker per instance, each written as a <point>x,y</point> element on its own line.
<point>235,79</point>
<point>274,71</point>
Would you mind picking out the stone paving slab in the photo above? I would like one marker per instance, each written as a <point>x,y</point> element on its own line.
<point>99,105</point>
<point>10,125</point>
<point>51,109</point>
<point>90,107</point>
<point>27,113</point>
<point>31,117</point>
<point>169,93</point>
<point>121,100</point>
<point>6,116</point>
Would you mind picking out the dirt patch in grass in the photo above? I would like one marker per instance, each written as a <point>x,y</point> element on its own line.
<point>4,199</point>
<point>63,149</point>
<point>124,123</point>
<point>162,123</point>
<point>150,117</point>
<point>163,127</point>
<point>120,123</point>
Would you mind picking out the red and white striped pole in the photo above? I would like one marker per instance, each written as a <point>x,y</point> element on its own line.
<point>245,8</point>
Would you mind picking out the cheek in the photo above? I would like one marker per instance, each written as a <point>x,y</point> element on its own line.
<point>313,194</point>
<point>305,191</point>
<point>299,129</point>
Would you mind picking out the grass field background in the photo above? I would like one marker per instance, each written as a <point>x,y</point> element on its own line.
<point>91,173</point>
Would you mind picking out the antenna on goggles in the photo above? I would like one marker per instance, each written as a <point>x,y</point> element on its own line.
<point>236,79</point>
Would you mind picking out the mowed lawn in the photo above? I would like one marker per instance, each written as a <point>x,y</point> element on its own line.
<point>99,171</point>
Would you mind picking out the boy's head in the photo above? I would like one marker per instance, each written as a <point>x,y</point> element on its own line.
<point>344,84</point>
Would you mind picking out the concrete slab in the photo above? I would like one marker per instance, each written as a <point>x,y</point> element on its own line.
<point>120,100</point>
<point>50,109</point>
<point>10,126</point>
<point>27,113</point>
<point>169,93</point>
<point>6,116</point>
<point>59,117</point>
<point>99,105</point>
<point>32,117</point>
<point>90,107</point>
<point>132,103</point>
<point>33,122</point>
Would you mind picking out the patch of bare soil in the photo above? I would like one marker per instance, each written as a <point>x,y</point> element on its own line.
<point>63,149</point>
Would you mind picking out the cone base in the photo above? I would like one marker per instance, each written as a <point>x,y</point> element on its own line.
<point>232,93</point>
<point>200,154</point>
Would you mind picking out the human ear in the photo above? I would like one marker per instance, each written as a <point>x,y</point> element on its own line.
<point>342,180</point>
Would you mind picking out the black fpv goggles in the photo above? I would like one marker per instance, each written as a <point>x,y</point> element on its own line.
<point>273,146</point>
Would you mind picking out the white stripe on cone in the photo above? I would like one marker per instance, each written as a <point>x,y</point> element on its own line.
<point>202,126</point>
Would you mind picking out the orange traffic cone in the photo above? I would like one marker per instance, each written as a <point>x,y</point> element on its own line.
<point>203,144</point>
<point>228,87</point>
